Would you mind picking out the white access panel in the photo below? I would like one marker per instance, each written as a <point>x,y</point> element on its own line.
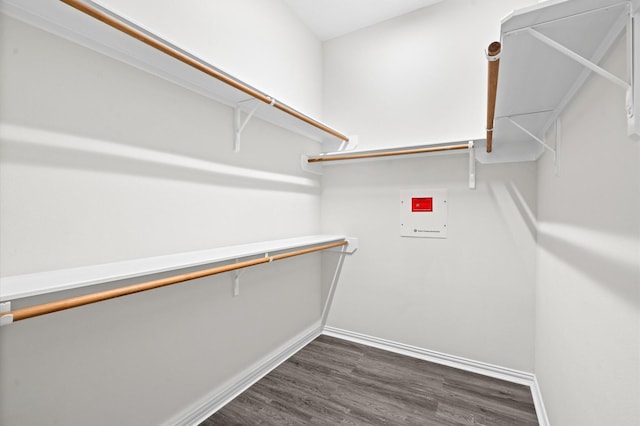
<point>423,213</point>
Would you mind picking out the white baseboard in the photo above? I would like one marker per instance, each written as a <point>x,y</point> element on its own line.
<point>227,392</point>
<point>490,370</point>
<point>536,393</point>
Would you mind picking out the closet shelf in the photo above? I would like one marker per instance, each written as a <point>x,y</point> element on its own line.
<point>374,154</point>
<point>542,69</point>
<point>314,164</point>
<point>19,286</point>
<point>151,53</point>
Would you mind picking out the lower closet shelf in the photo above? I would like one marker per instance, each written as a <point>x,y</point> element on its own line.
<point>19,286</point>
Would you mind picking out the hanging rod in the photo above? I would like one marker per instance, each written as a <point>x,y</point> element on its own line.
<point>493,57</point>
<point>134,31</point>
<point>73,302</point>
<point>331,157</point>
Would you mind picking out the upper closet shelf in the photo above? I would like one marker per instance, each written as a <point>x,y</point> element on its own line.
<point>132,44</point>
<point>548,51</point>
<point>314,164</point>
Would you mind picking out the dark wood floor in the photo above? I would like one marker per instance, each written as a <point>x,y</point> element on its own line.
<point>336,382</point>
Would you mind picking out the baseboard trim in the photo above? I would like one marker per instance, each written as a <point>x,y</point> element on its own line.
<point>483,368</point>
<point>490,370</point>
<point>541,411</point>
<point>223,395</point>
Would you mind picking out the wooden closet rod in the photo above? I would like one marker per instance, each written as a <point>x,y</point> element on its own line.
<point>73,302</point>
<point>386,153</point>
<point>129,29</point>
<point>493,56</point>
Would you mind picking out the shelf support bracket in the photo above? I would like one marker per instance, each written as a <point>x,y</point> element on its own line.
<point>558,127</point>
<point>472,165</point>
<point>236,283</point>
<point>239,125</point>
<point>633,94</point>
<point>581,60</point>
<point>534,137</point>
<point>8,318</point>
<point>236,280</point>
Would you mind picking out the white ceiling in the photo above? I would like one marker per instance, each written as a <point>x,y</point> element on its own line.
<point>328,19</point>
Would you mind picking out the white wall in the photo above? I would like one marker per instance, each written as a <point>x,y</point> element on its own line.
<point>55,94</point>
<point>261,42</point>
<point>102,162</point>
<point>588,294</point>
<point>421,78</point>
<point>470,295</point>
<point>417,78</point>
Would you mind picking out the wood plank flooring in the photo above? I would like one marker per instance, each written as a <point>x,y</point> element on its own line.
<point>337,382</point>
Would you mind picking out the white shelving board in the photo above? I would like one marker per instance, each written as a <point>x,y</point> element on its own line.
<point>19,286</point>
<point>536,81</point>
<point>399,152</point>
<point>58,18</point>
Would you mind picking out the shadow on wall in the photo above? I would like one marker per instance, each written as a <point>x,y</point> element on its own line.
<point>613,260</point>
<point>517,216</point>
<point>332,262</point>
<point>52,149</point>
<point>524,209</point>
<point>610,259</point>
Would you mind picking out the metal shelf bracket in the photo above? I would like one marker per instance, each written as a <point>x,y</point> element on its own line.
<point>236,282</point>
<point>350,248</point>
<point>633,93</point>
<point>534,137</point>
<point>633,40</point>
<point>581,60</point>
<point>5,319</point>
<point>239,124</point>
<point>472,165</point>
